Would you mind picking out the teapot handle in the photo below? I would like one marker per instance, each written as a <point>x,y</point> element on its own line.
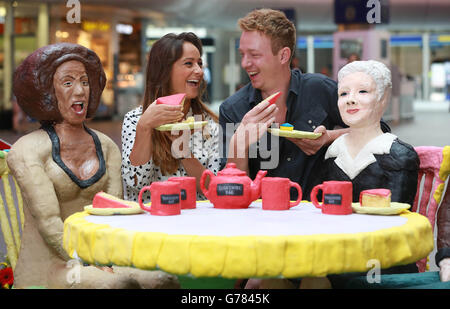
<point>203,179</point>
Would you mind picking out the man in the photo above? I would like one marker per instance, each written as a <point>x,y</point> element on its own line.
<point>307,101</point>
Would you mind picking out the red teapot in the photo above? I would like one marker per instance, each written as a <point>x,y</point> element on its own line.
<point>231,188</point>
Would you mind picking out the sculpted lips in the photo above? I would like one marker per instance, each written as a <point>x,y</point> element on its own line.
<point>78,107</point>
<point>352,111</point>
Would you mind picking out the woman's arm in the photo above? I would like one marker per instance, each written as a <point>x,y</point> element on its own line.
<point>154,116</point>
<point>111,154</point>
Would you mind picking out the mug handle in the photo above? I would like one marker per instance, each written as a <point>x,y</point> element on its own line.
<point>146,188</point>
<point>300,193</point>
<point>202,182</point>
<point>314,196</point>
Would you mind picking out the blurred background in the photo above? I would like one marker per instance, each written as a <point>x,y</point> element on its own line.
<point>411,36</point>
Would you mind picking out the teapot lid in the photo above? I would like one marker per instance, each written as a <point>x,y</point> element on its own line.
<point>231,170</point>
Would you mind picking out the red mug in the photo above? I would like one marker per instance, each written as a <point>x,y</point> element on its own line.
<point>337,197</point>
<point>165,197</point>
<point>276,193</point>
<point>188,193</point>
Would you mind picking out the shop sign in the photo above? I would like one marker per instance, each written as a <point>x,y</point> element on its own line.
<point>90,26</point>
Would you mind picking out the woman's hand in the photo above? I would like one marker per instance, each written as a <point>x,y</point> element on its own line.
<point>159,114</point>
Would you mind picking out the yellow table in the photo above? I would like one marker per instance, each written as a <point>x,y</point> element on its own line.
<point>209,242</point>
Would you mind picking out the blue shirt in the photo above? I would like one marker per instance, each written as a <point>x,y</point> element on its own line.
<point>311,102</point>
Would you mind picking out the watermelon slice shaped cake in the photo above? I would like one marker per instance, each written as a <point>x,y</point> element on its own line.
<point>105,200</point>
<point>272,98</point>
<point>175,99</point>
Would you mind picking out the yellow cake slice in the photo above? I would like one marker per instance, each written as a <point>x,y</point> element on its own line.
<point>286,127</point>
<point>375,198</point>
<point>189,120</point>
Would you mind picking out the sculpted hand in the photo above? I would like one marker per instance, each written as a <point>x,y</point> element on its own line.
<point>444,273</point>
<point>159,114</point>
<point>311,146</point>
<point>255,122</point>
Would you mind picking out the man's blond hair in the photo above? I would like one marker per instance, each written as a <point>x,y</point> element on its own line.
<point>274,24</point>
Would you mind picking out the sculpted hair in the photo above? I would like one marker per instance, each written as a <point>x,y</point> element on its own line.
<point>163,54</point>
<point>274,24</point>
<point>375,69</point>
<point>33,80</point>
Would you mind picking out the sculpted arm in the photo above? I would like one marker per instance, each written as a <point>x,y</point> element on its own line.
<point>26,162</point>
<point>112,161</point>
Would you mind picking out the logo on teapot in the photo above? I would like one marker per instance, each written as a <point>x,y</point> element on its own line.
<point>234,189</point>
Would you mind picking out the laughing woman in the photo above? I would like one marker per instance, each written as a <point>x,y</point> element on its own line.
<point>174,66</point>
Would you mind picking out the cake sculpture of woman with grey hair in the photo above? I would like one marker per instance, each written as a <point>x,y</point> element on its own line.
<point>366,156</point>
<point>62,165</point>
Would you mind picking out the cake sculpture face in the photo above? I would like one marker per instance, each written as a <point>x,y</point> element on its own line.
<point>375,198</point>
<point>175,99</point>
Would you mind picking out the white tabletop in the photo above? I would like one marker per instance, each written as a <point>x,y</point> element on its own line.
<point>205,220</point>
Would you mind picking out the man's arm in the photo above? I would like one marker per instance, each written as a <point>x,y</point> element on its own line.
<point>252,127</point>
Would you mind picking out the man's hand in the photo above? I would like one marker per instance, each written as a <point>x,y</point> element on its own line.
<point>255,123</point>
<point>444,273</point>
<point>311,146</point>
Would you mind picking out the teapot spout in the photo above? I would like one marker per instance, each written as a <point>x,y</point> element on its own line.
<point>256,185</point>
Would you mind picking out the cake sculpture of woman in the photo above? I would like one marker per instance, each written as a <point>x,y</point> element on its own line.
<point>366,156</point>
<point>62,165</point>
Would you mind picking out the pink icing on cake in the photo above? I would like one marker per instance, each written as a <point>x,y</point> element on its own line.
<point>175,99</point>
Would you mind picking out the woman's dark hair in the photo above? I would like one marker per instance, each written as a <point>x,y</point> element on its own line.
<point>163,54</point>
<point>33,80</point>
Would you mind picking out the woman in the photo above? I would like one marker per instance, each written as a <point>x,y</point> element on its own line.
<point>174,66</point>
<point>365,155</point>
<point>61,166</point>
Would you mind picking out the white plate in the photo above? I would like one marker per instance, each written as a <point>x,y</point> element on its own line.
<point>182,126</point>
<point>113,211</point>
<point>395,209</point>
<point>295,133</point>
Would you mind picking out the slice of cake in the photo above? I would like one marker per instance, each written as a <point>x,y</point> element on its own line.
<point>286,127</point>
<point>175,99</point>
<point>375,198</point>
<point>105,200</point>
<point>189,120</point>
<point>272,99</point>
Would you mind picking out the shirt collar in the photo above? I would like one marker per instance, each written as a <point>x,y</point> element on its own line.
<point>353,166</point>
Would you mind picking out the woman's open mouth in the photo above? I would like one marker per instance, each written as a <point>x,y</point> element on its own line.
<point>193,82</point>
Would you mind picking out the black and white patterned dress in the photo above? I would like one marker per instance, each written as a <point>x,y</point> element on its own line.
<point>204,147</point>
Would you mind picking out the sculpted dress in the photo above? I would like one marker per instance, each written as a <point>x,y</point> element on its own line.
<point>50,195</point>
<point>385,162</point>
